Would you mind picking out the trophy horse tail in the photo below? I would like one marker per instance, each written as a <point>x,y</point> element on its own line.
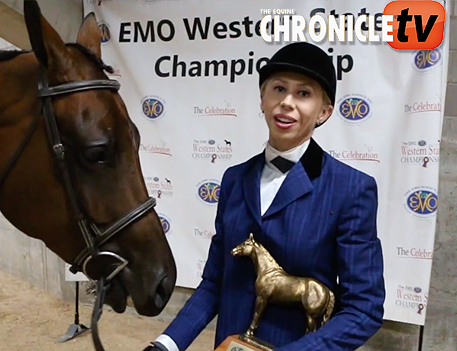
<point>329,309</point>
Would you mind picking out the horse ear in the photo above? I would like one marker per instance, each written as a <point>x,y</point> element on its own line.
<point>90,36</point>
<point>251,236</point>
<point>46,43</point>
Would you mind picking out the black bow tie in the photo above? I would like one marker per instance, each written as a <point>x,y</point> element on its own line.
<point>283,164</point>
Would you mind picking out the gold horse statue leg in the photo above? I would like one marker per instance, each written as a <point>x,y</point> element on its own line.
<point>260,304</point>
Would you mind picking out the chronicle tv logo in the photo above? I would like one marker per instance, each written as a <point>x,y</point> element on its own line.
<point>211,150</point>
<point>421,201</point>
<point>354,108</point>
<point>404,25</point>
<point>416,25</point>
<point>153,107</point>
<point>208,191</point>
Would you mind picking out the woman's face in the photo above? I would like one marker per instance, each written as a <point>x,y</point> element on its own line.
<point>293,104</point>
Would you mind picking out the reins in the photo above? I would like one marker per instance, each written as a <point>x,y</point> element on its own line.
<point>102,288</point>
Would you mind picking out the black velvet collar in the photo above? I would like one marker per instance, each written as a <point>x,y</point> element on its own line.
<point>312,160</point>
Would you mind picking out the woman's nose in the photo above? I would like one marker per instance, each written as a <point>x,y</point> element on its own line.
<point>288,102</point>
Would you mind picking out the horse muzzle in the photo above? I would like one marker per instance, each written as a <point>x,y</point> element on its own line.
<point>159,297</point>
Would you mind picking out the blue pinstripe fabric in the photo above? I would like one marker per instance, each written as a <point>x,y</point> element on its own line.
<point>321,225</point>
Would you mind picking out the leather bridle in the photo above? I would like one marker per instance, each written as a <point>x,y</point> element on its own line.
<point>93,236</point>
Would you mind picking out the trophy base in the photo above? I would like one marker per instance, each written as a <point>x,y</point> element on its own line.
<point>243,343</point>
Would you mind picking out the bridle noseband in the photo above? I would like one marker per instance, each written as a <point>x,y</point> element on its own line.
<point>93,236</point>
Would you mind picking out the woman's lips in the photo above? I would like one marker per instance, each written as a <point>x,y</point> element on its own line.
<point>284,121</point>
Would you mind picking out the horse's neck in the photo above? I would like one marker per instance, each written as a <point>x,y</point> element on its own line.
<point>18,78</point>
<point>263,261</point>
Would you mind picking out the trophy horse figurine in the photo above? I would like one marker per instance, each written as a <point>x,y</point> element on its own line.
<point>274,285</point>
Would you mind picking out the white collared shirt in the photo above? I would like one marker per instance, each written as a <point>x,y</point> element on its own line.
<point>272,178</point>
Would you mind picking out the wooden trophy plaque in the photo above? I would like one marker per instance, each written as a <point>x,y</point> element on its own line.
<point>240,343</point>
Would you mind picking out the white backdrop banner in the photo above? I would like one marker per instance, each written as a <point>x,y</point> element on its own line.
<point>189,77</point>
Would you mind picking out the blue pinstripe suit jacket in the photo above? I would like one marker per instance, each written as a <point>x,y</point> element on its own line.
<point>321,224</point>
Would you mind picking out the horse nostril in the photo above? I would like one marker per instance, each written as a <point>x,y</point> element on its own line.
<point>162,293</point>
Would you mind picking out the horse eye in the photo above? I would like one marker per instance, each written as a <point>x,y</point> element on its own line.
<point>96,154</point>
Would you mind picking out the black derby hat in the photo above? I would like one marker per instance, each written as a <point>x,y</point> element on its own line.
<point>304,58</point>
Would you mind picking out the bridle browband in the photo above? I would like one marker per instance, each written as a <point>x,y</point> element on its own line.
<point>93,236</point>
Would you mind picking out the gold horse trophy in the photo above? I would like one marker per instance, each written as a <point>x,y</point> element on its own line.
<point>274,285</point>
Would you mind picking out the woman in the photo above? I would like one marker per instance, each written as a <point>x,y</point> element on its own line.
<point>314,214</point>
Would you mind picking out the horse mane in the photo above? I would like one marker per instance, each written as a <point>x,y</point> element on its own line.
<point>272,262</point>
<point>91,56</point>
<point>6,55</point>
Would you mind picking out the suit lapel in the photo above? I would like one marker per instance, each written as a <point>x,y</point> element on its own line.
<point>298,181</point>
<point>251,187</point>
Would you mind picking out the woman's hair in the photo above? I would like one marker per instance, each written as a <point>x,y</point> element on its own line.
<point>325,96</point>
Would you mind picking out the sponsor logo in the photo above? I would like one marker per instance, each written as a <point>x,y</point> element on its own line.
<point>212,150</point>
<point>105,32</point>
<point>354,108</point>
<point>208,191</point>
<point>425,60</point>
<point>166,223</point>
<point>204,233</point>
<point>159,187</point>
<point>416,25</point>
<point>367,155</point>
<point>409,297</point>
<point>153,107</point>
<point>422,106</point>
<point>415,253</point>
<point>156,149</point>
<point>200,267</point>
<point>222,110</point>
<point>421,201</point>
<point>420,153</point>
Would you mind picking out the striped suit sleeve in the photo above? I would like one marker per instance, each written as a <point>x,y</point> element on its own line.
<point>360,272</point>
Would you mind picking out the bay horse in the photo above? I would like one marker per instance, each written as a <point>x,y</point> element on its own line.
<point>274,285</point>
<point>69,167</point>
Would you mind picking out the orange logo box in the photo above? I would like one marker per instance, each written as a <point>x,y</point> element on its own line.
<point>417,25</point>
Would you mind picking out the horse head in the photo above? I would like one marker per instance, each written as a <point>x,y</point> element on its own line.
<point>101,150</point>
<point>246,247</point>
